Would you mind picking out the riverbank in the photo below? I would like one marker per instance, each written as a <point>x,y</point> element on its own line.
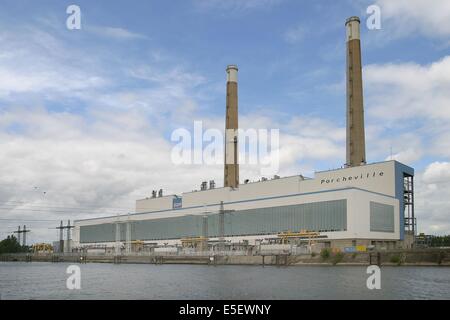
<point>424,257</point>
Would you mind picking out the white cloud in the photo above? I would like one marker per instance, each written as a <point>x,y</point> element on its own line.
<point>37,63</point>
<point>433,198</point>
<point>106,155</point>
<point>441,141</point>
<point>409,90</point>
<point>407,155</point>
<point>408,17</point>
<point>413,100</point>
<point>175,75</point>
<point>437,172</point>
<point>115,32</point>
<point>317,128</point>
<point>14,80</point>
<point>304,141</point>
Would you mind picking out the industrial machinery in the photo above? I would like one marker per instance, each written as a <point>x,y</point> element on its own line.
<point>195,242</point>
<point>42,248</point>
<point>303,235</point>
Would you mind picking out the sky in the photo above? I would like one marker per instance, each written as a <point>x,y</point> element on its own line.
<point>86,116</point>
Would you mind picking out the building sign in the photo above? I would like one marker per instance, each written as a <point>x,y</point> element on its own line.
<point>354,177</point>
<point>177,203</point>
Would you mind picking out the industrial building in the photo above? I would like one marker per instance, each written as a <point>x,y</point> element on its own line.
<point>360,204</point>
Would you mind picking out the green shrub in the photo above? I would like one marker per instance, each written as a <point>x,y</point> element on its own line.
<point>313,254</point>
<point>396,259</point>
<point>354,255</point>
<point>338,258</point>
<point>325,253</point>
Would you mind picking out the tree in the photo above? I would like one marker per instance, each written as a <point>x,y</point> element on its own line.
<point>440,241</point>
<point>11,245</point>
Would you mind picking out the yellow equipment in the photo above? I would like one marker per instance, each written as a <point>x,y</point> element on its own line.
<point>137,245</point>
<point>303,234</point>
<point>194,242</point>
<point>42,247</point>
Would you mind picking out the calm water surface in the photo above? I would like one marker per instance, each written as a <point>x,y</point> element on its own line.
<point>107,281</point>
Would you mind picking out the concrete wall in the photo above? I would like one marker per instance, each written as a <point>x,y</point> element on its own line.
<point>431,257</point>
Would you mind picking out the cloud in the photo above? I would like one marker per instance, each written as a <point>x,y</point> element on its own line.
<point>36,63</point>
<point>115,32</point>
<point>304,141</point>
<point>407,155</point>
<point>110,149</point>
<point>433,198</point>
<point>437,172</point>
<point>13,80</point>
<point>174,75</point>
<point>413,100</point>
<point>409,17</point>
<point>441,141</point>
<point>409,90</point>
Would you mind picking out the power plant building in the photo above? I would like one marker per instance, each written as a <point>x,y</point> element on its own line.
<point>359,204</point>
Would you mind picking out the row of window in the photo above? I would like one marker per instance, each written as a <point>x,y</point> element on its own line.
<point>318,216</point>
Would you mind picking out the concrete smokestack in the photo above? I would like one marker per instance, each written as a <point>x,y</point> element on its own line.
<point>356,146</point>
<point>231,176</point>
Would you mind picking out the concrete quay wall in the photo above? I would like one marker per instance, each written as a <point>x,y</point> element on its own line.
<point>431,257</point>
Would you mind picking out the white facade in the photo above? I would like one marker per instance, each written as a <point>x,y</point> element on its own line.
<point>358,185</point>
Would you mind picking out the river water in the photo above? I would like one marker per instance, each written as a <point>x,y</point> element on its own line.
<point>20,280</point>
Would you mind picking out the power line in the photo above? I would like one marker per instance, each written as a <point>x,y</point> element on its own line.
<point>6,206</point>
<point>51,211</point>
<point>7,203</point>
<point>28,220</point>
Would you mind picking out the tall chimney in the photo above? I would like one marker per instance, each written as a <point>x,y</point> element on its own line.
<point>356,146</point>
<point>231,175</point>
